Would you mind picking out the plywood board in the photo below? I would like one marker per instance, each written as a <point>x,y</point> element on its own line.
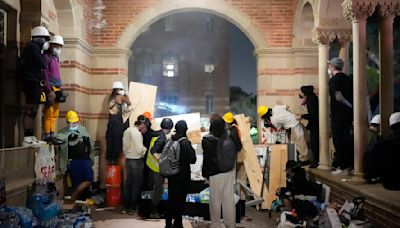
<point>277,174</point>
<point>253,169</point>
<point>143,99</point>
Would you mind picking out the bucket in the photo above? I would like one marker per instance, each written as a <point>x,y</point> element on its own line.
<point>113,196</point>
<point>114,175</point>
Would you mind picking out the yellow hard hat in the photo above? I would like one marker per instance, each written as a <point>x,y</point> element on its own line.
<point>72,117</point>
<point>262,110</point>
<point>228,117</point>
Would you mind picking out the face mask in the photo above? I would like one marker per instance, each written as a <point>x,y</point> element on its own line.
<point>73,127</point>
<point>39,40</point>
<point>330,73</point>
<point>57,51</point>
<point>46,46</point>
<point>121,92</point>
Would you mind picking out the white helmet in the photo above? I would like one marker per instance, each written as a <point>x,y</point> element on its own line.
<point>394,118</point>
<point>40,31</point>
<point>57,39</point>
<point>118,85</point>
<point>376,119</point>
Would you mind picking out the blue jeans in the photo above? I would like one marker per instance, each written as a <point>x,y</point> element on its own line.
<point>133,183</point>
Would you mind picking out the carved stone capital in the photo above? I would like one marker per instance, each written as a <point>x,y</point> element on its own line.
<point>358,9</point>
<point>323,36</point>
<point>389,9</point>
<point>344,37</point>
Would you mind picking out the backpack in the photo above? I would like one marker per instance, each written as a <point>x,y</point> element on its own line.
<point>169,158</point>
<point>226,153</point>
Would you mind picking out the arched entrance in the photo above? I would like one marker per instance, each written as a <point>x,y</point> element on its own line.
<point>222,9</point>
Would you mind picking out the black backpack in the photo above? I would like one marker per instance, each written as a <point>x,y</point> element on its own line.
<point>169,158</point>
<point>226,153</point>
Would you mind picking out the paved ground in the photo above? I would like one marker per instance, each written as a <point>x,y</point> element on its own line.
<point>114,219</point>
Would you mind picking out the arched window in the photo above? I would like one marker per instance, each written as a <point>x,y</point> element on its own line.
<point>170,67</point>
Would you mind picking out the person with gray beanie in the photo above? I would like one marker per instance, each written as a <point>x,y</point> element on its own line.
<point>341,95</point>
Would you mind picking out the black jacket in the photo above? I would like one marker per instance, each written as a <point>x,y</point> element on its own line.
<point>160,142</point>
<point>187,155</point>
<point>312,108</point>
<point>234,134</point>
<point>32,63</point>
<point>210,162</point>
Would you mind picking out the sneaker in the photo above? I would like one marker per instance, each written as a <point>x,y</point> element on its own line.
<point>125,211</point>
<point>31,141</point>
<point>341,172</point>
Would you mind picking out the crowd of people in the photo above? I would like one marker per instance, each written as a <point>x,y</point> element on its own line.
<point>138,148</point>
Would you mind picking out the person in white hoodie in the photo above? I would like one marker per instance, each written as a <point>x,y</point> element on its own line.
<point>134,151</point>
<point>280,118</point>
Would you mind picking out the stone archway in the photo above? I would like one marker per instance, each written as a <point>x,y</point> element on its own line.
<point>219,8</point>
<point>67,18</point>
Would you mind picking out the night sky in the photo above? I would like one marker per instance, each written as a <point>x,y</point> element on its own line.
<point>242,62</point>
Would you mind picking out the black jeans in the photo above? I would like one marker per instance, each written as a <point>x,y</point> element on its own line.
<point>114,134</point>
<point>344,149</point>
<point>314,141</point>
<point>177,189</point>
<point>133,183</point>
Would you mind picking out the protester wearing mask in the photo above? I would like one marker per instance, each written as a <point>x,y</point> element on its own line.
<point>53,84</point>
<point>310,99</point>
<point>177,184</point>
<point>156,180</point>
<point>76,157</point>
<point>341,95</point>
<point>31,68</point>
<point>119,110</point>
<point>389,156</point>
<point>371,173</point>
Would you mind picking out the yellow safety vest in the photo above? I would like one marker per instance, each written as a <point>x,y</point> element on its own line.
<point>151,161</point>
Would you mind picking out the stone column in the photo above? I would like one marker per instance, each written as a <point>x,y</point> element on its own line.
<point>343,38</point>
<point>358,12</point>
<point>323,39</point>
<point>386,65</point>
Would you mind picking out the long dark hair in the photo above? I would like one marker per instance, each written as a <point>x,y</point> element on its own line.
<point>217,125</point>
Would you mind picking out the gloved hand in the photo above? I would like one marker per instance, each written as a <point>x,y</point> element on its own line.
<point>51,97</point>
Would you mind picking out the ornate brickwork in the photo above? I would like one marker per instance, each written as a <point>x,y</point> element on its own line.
<point>323,36</point>
<point>356,9</point>
<point>344,37</point>
<point>389,9</point>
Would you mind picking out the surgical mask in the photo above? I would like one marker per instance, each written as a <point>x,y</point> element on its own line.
<point>330,73</point>
<point>73,127</point>
<point>121,92</point>
<point>39,39</point>
<point>46,46</point>
<point>57,51</point>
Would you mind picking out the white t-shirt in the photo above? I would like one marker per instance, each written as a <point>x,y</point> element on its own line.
<point>282,118</point>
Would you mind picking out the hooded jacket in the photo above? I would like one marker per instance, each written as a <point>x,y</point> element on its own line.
<point>63,134</point>
<point>210,162</point>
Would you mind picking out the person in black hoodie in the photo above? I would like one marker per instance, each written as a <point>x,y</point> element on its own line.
<point>310,99</point>
<point>32,65</point>
<point>177,184</point>
<point>221,183</point>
